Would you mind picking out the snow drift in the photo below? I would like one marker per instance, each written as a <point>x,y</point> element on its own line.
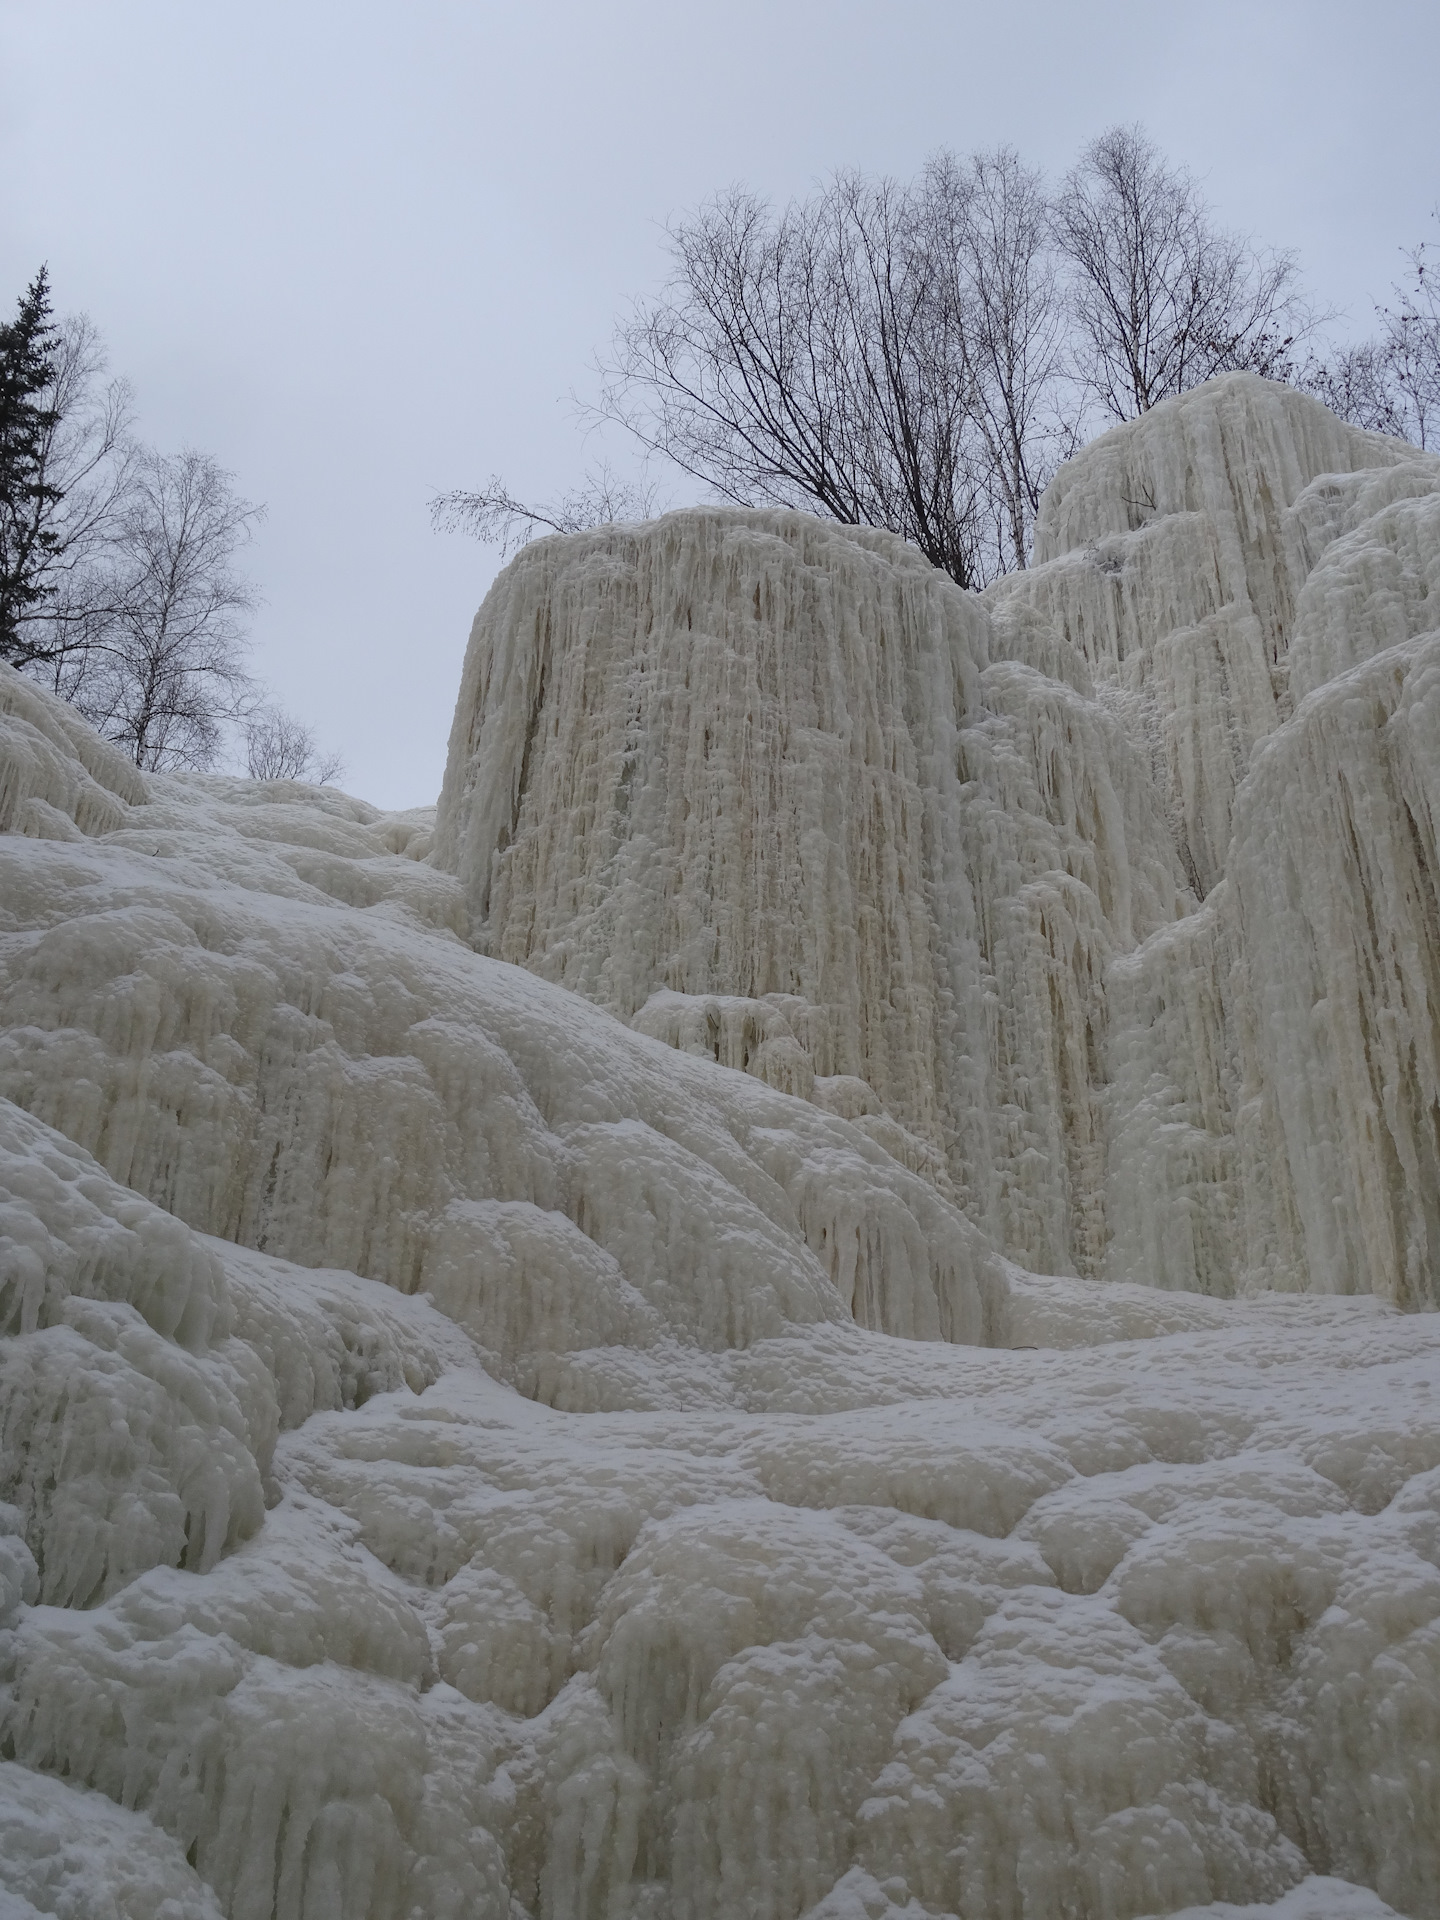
<point>868,1374</point>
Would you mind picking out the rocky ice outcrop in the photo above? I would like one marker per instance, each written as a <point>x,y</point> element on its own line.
<point>718,755</point>
<point>465,1453</point>
<point>986,863</point>
<point>1170,555</point>
<point>760,757</point>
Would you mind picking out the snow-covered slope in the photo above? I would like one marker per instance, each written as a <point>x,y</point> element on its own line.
<point>469,1450</point>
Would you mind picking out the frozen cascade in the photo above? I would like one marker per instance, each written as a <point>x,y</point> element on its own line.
<point>924,857</point>
<point>940,869</point>
<point>917,1415</point>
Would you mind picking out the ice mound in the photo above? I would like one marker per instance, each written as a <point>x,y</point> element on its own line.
<point>938,865</point>
<point>587,1439</point>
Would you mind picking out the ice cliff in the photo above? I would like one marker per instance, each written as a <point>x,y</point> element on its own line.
<point>956,849</point>
<point>870,1373</point>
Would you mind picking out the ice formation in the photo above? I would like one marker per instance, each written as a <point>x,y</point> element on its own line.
<point>874,1372</point>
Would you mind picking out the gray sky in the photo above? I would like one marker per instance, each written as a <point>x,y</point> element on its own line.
<point>363,252</point>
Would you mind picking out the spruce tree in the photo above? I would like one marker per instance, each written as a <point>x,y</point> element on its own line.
<point>29,544</point>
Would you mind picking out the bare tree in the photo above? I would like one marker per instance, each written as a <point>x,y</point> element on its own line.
<point>893,356</point>
<point>161,670</point>
<point>1163,299</point>
<point>923,357</point>
<point>1391,384</point>
<point>496,517</point>
<point>1410,344</point>
<point>1355,383</point>
<point>280,747</point>
<point>989,250</point>
<point>124,595</point>
<point>803,359</point>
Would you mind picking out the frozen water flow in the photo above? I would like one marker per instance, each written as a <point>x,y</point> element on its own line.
<point>802,1305</point>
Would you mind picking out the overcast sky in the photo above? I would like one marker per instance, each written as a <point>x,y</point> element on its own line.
<point>363,252</point>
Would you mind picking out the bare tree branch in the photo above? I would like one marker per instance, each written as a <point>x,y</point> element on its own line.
<point>161,665</point>
<point>923,357</point>
<point>991,244</point>
<point>1163,299</point>
<point>1412,346</point>
<point>496,517</point>
<point>1355,383</point>
<point>807,358</point>
<point>280,747</point>
<point>1391,384</point>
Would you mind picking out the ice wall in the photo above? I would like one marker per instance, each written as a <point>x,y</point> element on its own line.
<point>1170,555</point>
<point>464,1454</point>
<point>1247,581</point>
<point>986,875</point>
<point>718,754</point>
<point>758,757</point>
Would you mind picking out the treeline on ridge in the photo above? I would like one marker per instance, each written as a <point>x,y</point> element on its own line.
<point>923,356</point>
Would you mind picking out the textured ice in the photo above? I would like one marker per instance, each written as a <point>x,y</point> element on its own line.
<point>939,869</point>
<point>870,1374</point>
<point>78,1856</point>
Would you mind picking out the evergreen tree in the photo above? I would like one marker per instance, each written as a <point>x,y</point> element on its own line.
<point>28,542</point>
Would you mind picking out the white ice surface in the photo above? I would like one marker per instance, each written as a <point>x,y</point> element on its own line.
<point>462,1454</point>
